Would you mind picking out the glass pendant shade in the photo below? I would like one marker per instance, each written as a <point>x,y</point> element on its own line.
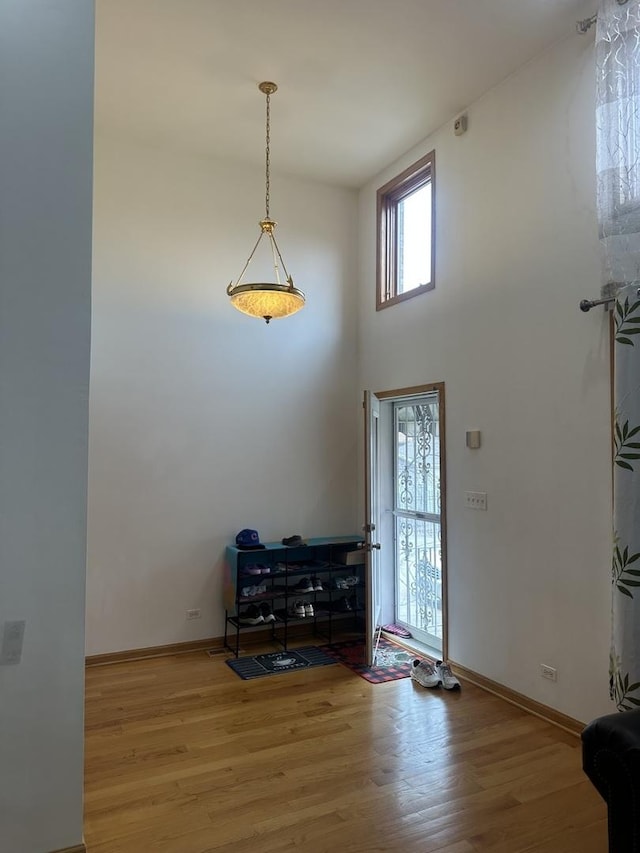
<point>274,300</point>
<point>269,301</point>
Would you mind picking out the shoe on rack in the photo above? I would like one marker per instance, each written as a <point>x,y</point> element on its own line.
<point>265,570</point>
<point>296,609</point>
<point>267,613</point>
<point>352,580</point>
<point>253,569</point>
<point>250,591</point>
<point>448,679</point>
<point>317,584</point>
<point>355,602</point>
<point>341,605</point>
<point>425,673</point>
<point>340,583</point>
<point>251,616</point>
<point>303,585</point>
<point>308,609</point>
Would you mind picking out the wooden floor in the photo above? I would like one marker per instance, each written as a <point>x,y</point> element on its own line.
<point>182,756</point>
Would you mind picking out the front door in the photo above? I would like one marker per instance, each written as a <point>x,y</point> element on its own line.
<point>405,504</point>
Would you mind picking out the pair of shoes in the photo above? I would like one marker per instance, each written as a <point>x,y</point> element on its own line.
<point>397,630</point>
<point>256,569</point>
<point>317,584</point>
<point>301,609</point>
<point>340,583</point>
<point>293,541</point>
<point>256,615</point>
<point>352,580</point>
<point>304,585</point>
<point>428,674</point>
<point>249,591</point>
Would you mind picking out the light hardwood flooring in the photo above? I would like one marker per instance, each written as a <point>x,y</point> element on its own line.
<point>182,756</point>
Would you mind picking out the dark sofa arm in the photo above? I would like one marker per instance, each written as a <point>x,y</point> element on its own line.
<point>611,760</point>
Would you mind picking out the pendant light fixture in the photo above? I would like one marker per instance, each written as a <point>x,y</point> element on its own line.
<point>264,300</point>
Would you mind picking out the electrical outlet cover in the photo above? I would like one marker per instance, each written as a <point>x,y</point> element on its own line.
<point>12,641</point>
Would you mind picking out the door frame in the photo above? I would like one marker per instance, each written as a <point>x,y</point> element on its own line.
<point>371,407</point>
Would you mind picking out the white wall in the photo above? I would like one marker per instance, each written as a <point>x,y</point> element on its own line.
<point>203,420</point>
<point>517,248</point>
<point>46,103</point>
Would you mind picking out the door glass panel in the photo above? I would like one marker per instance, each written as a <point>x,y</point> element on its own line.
<point>418,544</point>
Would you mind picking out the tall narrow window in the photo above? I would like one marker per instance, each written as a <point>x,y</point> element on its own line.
<point>405,244</point>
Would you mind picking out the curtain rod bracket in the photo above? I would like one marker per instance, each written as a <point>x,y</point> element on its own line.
<point>585,24</point>
<point>588,304</point>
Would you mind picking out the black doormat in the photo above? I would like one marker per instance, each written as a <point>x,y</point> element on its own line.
<point>273,663</point>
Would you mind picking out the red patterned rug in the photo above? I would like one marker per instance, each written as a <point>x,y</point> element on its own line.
<point>392,662</point>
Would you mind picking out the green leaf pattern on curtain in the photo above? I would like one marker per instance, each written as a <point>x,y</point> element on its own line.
<point>627,321</point>
<point>624,670</point>
<point>623,577</point>
<point>620,689</point>
<point>625,449</point>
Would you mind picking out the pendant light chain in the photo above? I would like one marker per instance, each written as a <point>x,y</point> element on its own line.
<point>268,152</point>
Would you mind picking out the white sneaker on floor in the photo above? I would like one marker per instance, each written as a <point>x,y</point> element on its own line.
<point>425,673</point>
<point>448,679</point>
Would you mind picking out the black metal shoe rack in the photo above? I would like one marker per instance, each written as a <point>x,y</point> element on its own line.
<point>332,561</point>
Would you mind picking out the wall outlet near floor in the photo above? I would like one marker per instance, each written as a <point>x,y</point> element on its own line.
<point>549,672</point>
<point>475,500</point>
<point>195,613</point>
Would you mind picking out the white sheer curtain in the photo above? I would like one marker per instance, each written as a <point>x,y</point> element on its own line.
<point>618,173</point>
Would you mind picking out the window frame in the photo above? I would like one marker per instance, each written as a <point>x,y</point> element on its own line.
<point>419,174</point>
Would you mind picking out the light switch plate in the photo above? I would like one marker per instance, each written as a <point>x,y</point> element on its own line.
<point>473,438</point>
<point>475,500</point>
<point>12,640</point>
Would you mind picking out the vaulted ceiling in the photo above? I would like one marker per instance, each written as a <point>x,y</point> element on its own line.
<point>360,81</point>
